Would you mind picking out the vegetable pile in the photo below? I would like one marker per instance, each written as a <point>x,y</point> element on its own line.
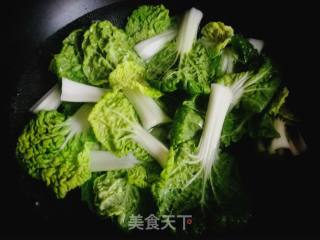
<point>153,110</point>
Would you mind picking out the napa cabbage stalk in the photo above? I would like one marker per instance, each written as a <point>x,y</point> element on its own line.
<point>129,77</point>
<point>188,30</point>
<point>295,145</point>
<point>150,114</point>
<point>116,126</point>
<point>225,94</point>
<point>78,92</point>
<point>257,44</point>
<point>148,48</point>
<point>50,101</point>
<point>101,161</point>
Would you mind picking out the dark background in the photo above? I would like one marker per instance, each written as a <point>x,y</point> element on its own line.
<point>285,191</point>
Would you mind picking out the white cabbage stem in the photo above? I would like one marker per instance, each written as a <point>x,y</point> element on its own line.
<point>238,88</point>
<point>218,107</point>
<point>78,123</point>
<point>149,112</point>
<point>227,64</point>
<point>50,101</point>
<point>285,142</point>
<point>151,144</point>
<point>222,100</point>
<point>188,30</point>
<point>101,161</point>
<point>145,139</point>
<point>282,141</point>
<point>257,44</point>
<point>148,48</point>
<point>78,92</point>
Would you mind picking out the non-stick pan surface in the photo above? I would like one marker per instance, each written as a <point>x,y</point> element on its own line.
<point>283,191</point>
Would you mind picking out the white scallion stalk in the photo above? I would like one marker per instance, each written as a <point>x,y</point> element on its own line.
<point>219,103</point>
<point>50,101</point>
<point>257,44</point>
<point>78,92</point>
<point>148,48</point>
<point>106,161</point>
<point>188,30</point>
<point>149,112</point>
<point>151,144</point>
